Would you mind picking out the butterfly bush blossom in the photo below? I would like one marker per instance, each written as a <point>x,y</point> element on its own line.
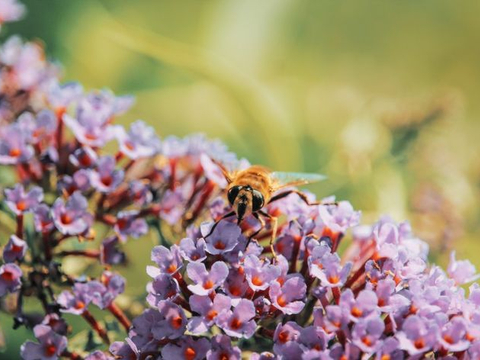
<point>215,292</point>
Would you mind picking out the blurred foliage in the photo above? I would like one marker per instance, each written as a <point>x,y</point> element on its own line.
<point>379,95</point>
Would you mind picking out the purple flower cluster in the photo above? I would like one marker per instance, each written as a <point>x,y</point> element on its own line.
<point>217,290</point>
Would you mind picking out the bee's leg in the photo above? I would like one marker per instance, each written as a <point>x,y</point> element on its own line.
<point>301,196</point>
<point>274,223</point>
<point>231,213</point>
<point>262,226</point>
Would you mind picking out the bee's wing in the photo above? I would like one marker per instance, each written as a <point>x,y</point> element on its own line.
<point>286,179</point>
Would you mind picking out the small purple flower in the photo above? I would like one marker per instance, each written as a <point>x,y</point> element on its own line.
<point>103,293</point>
<point>208,311</point>
<point>140,193</point>
<point>11,10</point>
<point>61,96</point>
<point>205,281</point>
<point>236,285</point>
<point>94,113</point>
<point>140,142</point>
<point>452,335</point>
<point>326,267</point>
<point>163,287</point>
<point>222,349</point>
<point>173,321</point>
<point>43,219</point>
<point>45,126</point>
<point>169,261</point>
<point>128,224</point>
<point>462,271</point>
<point>288,298</point>
<point>79,181</point>
<point>417,335</point>
<point>212,171</point>
<point>50,347</point>
<point>389,349</point>
<point>239,322</point>
<point>186,348</point>
<point>110,254</point>
<point>339,218</point>
<point>367,333</point>
<point>15,249</point>
<point>57,324</point>
<point>77,302</point>
<point>365,304</point>
<point>14,145</point>
<point>333,319</point>
<point>10,278</point>
<point>72,218</point>
<point>286,340</point>
<point>260,274</point>
<point>20,201</point>
<point>224,238</point>
<point>84,157</point>
<point>193,251</point>
<point>106,178</point>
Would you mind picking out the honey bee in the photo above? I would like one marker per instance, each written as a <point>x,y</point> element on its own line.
<point>250,190</point>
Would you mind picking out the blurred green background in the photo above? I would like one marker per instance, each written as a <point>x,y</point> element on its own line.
<point>382,96</point>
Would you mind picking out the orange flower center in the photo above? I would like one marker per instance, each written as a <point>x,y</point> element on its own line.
<point>366,340</point>
<point>356,312</point>
<point>235,324</point>
<point>419,343</point>
<point>282,301</point>
<point>257,281</point>
<point>334,279</point>
<point>385,357</point>
<point>211,315</point>
<point>283,337</point>
<point>66,219</point>
<point>79,305</point>
<point>15,152</point>
<point>208,284</point>
<point>50,350</point>
<point>21,205</point>
<point>129,145</point>
<point>223,356</point>
<point>190,353</point>
<point>172,268</point>
<point>85,160</point>
<point>7,275</point>
<point>90,136</point>
<point>448,339</point>
<point>219,245</point>
<point>107,180</point>
<point>177,322</point>
<point>235,290</point>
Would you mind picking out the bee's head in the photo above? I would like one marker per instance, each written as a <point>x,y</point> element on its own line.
<point>245,200</point>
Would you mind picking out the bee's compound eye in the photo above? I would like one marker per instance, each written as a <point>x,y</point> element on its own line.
<point>257,199</point>
<point>232,193</point>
